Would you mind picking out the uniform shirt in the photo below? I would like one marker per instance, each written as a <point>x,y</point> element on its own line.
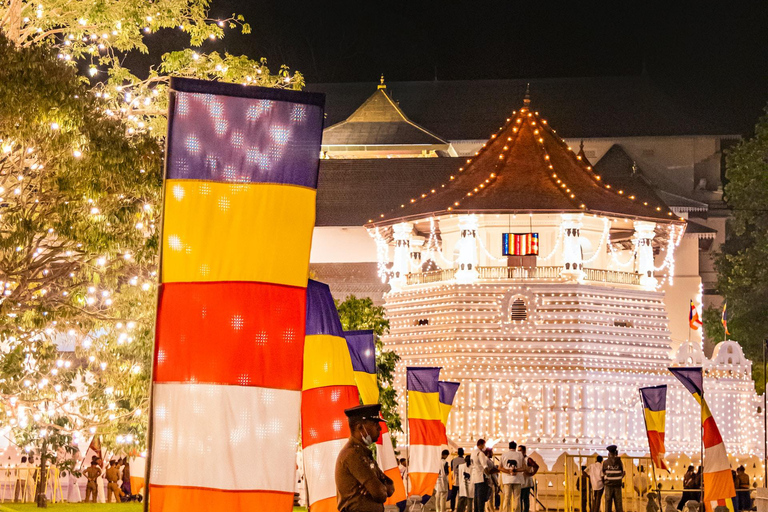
<point>455,463</point>
<point>479,463</point>
<point>23,472</point>
<point>359,481</point>
<point>595,472</point>
<point>613,471</point>
<point>640,483</point>
<point>92,473</point>
<point>442,477</point>
<point>113,474</point>
<point>510,459</point>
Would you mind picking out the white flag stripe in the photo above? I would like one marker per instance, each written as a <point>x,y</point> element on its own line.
<point>386,453</point>
<point>208,435</point>
<point>716,459</point>
<point>424,459</point>
<point>319,467</point>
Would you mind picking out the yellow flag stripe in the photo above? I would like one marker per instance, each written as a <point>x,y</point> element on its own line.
<point>327,362</point>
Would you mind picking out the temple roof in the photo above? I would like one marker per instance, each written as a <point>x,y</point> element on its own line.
<point>621,171</point>
<point>380,122</point>
<point>527,167</point>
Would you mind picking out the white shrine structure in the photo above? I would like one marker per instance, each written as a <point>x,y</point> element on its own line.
<point>552,332</point>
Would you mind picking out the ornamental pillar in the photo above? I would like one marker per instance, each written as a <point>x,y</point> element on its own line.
<point>573,264</point>
<point>643,240</point>
<point>401,264</point>
<point>466,263</point>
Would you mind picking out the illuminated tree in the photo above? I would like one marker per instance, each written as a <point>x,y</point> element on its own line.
<point>362,314</point>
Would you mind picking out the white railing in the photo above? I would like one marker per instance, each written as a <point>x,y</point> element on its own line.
<point>527,274</point>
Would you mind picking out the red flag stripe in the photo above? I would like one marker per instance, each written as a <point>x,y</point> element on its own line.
<point>426,432</point>
<point>322,413</point>
<point>255,331</point>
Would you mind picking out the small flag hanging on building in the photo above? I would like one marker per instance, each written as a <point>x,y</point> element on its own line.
<point>425,429</point>
<point>718,482</point>
<point>724,318</point>
<point>655,410</point>
<point>328,388</point>
<point>362,349</point>
<point>447,392</point>
<point>693,318</point>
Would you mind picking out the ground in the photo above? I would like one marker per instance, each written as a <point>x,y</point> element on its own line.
<point>83,507</point>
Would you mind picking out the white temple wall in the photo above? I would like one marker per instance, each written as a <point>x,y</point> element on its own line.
<point>342,244</point>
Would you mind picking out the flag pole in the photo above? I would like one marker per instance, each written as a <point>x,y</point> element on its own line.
<point>653,464</point>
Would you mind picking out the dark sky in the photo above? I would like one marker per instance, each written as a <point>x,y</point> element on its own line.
<point>705,55</point>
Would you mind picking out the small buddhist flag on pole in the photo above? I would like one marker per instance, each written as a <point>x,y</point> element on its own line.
<point>719,490</point>
<point>425,430</point>
<point>724,318</point>
<point>446,392</point>
<point>655,411</point>
<point>693,318</point>
<point>362,349</point>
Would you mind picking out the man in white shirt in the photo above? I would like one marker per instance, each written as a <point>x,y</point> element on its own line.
<point>511,478</point>
<point>477,478</point>
<point>595,473</point>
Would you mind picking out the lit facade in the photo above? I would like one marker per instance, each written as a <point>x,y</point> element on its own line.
<point>551,348</point>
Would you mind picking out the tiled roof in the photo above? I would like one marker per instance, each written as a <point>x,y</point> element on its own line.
<point>579,107</point>
<point>379,122</point>
<point>527,167</point>
<point>352,192</point>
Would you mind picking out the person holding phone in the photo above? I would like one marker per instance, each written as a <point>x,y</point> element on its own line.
<point>512,476</point>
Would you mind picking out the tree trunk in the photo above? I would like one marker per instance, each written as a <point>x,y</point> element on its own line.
<point>13,28</point>
<point>40,499</point>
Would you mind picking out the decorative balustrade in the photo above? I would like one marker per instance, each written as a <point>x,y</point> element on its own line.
<point>527,274</point>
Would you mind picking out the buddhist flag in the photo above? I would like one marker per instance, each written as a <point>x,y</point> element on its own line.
<point>693,318</point>
<point>362,349</point>
<point>425,428</point>
<point>724,318</point>
<point>238,213</point>
<point>446,393</point>
<point>655,410</point>
<point>328,388</point>
<point>718,482</point>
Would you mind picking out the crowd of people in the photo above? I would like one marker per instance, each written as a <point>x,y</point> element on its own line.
<point>117,474</point>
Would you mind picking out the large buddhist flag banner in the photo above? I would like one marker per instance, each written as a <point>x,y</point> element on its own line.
<point>238,214</point>
<point>328,388</point>
<point>446,394</point>
<point>362,349</point>
<point>425,429</point>
<point>654,411</point>
<point>718,482</point>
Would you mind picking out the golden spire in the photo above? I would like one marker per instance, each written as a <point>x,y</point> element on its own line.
<point>381,85</point>
<point>527,97</point>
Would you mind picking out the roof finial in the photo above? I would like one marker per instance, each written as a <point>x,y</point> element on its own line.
<point>381,85</point>
<point>527,97</point>
<point>581,146</point>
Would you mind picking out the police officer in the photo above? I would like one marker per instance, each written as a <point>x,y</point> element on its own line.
<point>361,485</point>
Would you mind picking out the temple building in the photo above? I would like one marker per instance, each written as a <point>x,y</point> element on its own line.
<point>546,286</point>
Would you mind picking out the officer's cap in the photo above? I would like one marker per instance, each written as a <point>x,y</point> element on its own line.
<point>364,412</point>
<point>612,448</point>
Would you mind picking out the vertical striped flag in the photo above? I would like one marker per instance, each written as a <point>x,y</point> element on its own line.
<point>718,482</point>
<point>693,318</point>
<point>238,213</point>
<point>655,411</point>
<point>724,318</point>
<point>328,388</point>
<point>362,348</point>
<point>426,430</point>
<point>446,394</point>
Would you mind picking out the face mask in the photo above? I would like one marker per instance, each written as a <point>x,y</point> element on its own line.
<point>367,439</point>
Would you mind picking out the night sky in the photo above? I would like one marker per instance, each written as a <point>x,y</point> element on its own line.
<point>709,57</point>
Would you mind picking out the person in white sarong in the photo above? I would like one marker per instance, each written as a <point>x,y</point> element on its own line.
<point>73,489</point>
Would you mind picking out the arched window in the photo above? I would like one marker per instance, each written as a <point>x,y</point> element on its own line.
<point>730,350</point>
<point>518,311</point>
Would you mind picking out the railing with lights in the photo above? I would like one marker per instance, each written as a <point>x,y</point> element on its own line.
<point>526,273</point>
